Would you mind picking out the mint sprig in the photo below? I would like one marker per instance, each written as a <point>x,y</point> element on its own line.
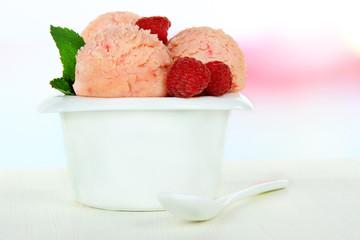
<point>68,42</point>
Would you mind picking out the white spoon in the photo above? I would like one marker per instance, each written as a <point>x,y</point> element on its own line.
<point>196,208</point>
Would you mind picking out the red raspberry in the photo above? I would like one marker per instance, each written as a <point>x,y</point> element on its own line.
<point>221,78</point>
<point>187,77</point>
<point>156,25</point>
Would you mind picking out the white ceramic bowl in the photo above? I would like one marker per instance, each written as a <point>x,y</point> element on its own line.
<point>121,152</point>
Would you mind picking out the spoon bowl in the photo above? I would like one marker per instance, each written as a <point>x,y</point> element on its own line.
<point>190,207</point>
<point>197,208</point>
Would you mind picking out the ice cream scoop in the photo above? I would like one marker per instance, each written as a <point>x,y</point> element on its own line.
<point>197,208</point>
<point>122,61</point>
<point>108,19</point>
<point>207,44</point>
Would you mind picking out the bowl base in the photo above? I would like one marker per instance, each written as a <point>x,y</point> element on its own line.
<point>119,209</point>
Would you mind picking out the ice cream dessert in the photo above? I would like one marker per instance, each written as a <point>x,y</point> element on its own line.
<point>122,61</point>
<point>115,144</point>
<point>108,19</point>
<point>123,55</point>
<point>207,44</point>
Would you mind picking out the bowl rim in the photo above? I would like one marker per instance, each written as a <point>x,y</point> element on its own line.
<point>64,103</point>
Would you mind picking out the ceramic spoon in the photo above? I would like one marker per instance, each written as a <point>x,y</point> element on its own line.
<point>196,208</point>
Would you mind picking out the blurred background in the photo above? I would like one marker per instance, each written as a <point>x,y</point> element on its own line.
<point>303,65</point>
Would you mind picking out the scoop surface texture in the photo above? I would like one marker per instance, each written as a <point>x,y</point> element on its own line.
<point>108,19</point>
<point>122,61</point>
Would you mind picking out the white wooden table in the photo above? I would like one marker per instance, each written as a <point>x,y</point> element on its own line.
<point>322,202</point>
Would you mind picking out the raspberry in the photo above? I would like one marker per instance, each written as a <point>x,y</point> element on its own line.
<point>187,77</point>
<point>221,78</point>
<point>156,25</point>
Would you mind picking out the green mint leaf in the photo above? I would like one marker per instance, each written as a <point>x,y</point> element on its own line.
<point>64,86</point>
<point>68,42</point>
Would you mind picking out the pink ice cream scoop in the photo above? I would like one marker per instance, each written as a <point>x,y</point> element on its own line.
<point>207,44</point>
<point>122,61</point>
<point>108,19</point>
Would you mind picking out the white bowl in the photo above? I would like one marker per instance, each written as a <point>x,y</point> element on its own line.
<point>121,152</point>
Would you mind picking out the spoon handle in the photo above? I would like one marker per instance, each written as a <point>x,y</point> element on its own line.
<point>253,190</point>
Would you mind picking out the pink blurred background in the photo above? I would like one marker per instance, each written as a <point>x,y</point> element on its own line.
<point>306,93</point>
<point>303,65</point>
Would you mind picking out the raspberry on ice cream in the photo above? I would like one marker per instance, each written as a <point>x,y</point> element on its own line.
<point>187,77</point>
<point>207,44</point>
<point>108,19</point>
<point>157,25</point>
<point>220,80</point>
<point>122,61</point>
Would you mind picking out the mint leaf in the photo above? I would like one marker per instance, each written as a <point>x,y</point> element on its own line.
<point>68,42</point>
<point>64,86</point>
